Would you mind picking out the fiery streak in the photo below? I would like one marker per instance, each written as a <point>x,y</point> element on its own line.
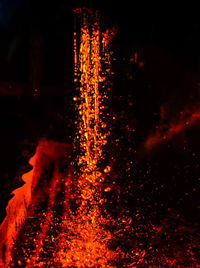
<point>86,245</point>
<point>16,211</point>
<point>91,139</point>
<point>83,239</point>
<point>165,132</point>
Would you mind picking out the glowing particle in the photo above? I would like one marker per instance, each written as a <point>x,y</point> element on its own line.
<point>107,169</point>
<point>107,189</point>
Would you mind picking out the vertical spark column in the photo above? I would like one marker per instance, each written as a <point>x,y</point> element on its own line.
<point>75,54</point>
<point>86,242</point>
<point>95,68</point>
<point>89,109</point>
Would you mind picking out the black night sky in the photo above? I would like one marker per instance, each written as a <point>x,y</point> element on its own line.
<point>159,88</point>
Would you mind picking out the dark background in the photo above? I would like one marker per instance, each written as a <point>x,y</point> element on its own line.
<point>37,39</point>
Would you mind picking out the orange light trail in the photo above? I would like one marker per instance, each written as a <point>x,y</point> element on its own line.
<point>16,211</point>
<point>43,227</point>
<point>91,139</point>
<point>165,132</point>
<point>86,244</point>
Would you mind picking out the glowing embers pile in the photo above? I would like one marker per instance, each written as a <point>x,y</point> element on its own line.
<point>83,241</point>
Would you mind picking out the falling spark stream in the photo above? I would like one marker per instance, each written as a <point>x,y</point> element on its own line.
<point>82,239</point>
<point>35,233</point>
<point>87,245</point>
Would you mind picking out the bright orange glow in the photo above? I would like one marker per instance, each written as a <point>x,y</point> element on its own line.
<point>16,211</point>
<point>26,198</point>
<point>83,239</point>
<point>75,57</point>
<point>60,216</point>
<point>91,138</point>
<point>86,245</point>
